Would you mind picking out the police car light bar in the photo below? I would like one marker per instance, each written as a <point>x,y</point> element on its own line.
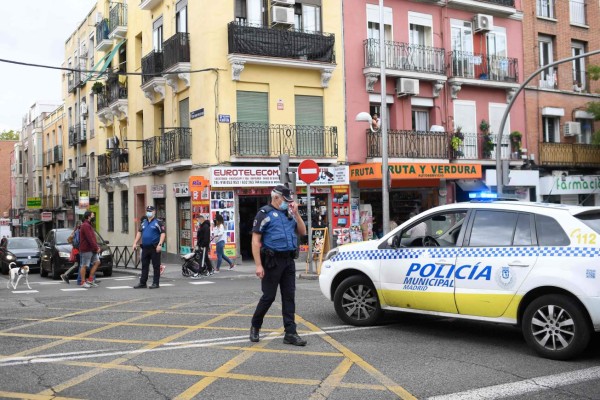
<point>483,195</point>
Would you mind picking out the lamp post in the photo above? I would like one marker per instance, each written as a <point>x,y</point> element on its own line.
<point>73,188</point>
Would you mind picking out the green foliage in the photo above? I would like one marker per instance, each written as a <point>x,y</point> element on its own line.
<point>594,71</point>
<point>596,138</point>
<point>97,87</point>
<point>9,135</point>
<point>594,108</point>
<point>484,126</point>
<point>515,141</point>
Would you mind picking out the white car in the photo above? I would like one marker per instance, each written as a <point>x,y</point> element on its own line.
<point>528,264</point>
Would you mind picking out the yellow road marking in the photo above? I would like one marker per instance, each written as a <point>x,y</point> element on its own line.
<point>333,380</point>
<point>17,395</point>
<point>74,338</point>
<point>90,374</point>
<point>355,358</point>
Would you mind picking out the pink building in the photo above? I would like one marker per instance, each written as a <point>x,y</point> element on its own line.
<point>449,67</point>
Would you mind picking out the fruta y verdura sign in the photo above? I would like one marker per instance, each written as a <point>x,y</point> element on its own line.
<point>372,171</point>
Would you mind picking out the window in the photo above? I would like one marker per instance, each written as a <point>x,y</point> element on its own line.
<point>442,229</point>
<point>462,48</point>
<point>465,118</point>
<point>545,8</point>
<point>591,219</point>
<point>587,126</point>
<point>375,108</point>
<point>253,117</point>
<point>495,228</point>
<point>523,236</point>
<point>546,56</point>
<point>157,34</point>
<point>549,232</point>
<point>579,78</point>
<point>307,16</point>
<point>251,12</point>
<point>496,111</point>
<point>420,120</point>
<point>111,212</point>
<point>124,211</point>
<point>420,36</point>
<point>309,125</point>
<point>184,113</point>
<point>550,128</point>
<point>181,20</point>
<point>373,22</point>
<point>577,12</point>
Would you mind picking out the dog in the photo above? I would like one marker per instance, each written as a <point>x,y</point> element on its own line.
<point>15,275</point>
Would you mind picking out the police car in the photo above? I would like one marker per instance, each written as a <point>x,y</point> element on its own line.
<point>528,264</point>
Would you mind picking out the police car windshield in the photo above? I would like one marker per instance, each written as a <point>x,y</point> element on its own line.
<point>591,219</point>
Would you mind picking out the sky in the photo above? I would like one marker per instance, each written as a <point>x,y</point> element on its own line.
<point>34,31</point>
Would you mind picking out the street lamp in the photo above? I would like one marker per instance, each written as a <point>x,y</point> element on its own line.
<point>73,188</point>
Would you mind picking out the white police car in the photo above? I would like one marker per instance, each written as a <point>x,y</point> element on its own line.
<point>529,264</point>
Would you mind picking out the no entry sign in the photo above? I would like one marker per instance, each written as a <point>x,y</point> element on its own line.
<point>308,171</point>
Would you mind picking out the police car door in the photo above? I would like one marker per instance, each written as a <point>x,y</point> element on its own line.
<point>418,273</point>
<point>499,252</point>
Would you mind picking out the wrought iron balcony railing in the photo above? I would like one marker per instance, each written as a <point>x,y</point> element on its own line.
<point>406,57</point>
<point>478,146</point>
<point>102,30</point>
<point>52,201</point>
<point>116,91</point>
<point>152,66</point>
<point>176,49</point>
<point>74,80</point>
<point>117,17</point>
<point>77,134</point>
<point>569,155</point>
<point>48,158</point>
<point>175,144</point>
<point>271,42</point>
<point>263,140</point>
<point>484,67</point>
<point>410,144</point>
<point>58,154</point>
<point>114,162</point>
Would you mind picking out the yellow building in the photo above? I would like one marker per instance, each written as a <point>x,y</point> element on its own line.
<point>201,84</point>
<point>54,126</point>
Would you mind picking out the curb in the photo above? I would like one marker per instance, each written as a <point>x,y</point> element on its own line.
<point>310,277</point>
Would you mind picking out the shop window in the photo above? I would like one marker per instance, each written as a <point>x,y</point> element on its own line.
<point>111,212</point>
<point>184,220</point>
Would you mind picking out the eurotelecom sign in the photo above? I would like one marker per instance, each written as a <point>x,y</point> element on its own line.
<point>367,172</point>
<point>570,184</point>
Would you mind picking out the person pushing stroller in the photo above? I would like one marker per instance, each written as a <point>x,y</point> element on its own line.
<point>203,243</point>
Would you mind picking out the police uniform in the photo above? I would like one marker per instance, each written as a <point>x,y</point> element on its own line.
<point>151,231</point>
<point>279,244</point>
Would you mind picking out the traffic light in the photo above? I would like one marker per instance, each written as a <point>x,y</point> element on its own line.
<point>284,163</point>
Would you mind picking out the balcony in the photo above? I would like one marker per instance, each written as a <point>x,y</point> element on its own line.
<point>474,147</point>
<point>176,60</point>
<point>117,21</point>
<point>569,155</point>
<point>410,144</point>
<point>115,162</point>
<point>149,4</point>
<point>405,60</point>
<point>153,84</point>
<point>73,81</point>
<point>52,201</point>
<point>263,140</point>
<point>48,158</point>
<point>250,44</point>
<point>501,8</point>
<point>77,134</point>
<point>117,97</point>
<point>103,43</point>
<point>174,146</point>
<point>58,154</point>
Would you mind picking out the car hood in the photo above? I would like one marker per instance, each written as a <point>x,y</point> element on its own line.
<point>366,245</point>
<point>64,248</point>
<point>25,252</point>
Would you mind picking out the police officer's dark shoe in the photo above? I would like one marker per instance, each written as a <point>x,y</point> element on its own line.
<point>254,337</point>
<point>293,338</point>
<point>153,286</point>
<point>140,286</point>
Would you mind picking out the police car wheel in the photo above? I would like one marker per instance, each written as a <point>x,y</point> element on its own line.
<point>556,327</point>
<point>356,301</point>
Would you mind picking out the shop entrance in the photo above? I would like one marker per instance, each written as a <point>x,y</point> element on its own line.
<point>248,207</point>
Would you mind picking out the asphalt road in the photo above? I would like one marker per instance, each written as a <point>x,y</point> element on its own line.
<point>189,339</point>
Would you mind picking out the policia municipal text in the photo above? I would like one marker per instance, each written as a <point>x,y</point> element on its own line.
<point>274,247</point>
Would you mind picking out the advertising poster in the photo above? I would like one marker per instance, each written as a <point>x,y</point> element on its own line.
<point>341,214</point>
<point>221,202</point>
<point>200,201</point>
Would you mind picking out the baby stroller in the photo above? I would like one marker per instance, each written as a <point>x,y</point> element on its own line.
<point>193,264</point>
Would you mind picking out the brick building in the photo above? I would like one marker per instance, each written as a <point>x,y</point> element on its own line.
<point>6,148</point>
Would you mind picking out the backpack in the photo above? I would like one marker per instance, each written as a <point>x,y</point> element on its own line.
<point>76,239</point>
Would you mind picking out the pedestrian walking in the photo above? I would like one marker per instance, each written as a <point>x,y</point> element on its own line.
<point>220,238</point>
<point>73,239</point>
<point>274,245</point>
<point>152,235</point>
<point>88,250</point>
<point>203,243</point>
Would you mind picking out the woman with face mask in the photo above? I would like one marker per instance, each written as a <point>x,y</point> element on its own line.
<point>220,238</point>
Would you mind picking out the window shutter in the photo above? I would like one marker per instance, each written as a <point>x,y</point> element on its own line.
<point>253,123</point>
<point>252,107</point>
<point>309,126</point>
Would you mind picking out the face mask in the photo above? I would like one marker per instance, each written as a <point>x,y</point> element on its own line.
<point>283,206</point>
<point>149,214</point>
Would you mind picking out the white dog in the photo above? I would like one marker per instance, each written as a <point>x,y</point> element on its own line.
<point>16,274</point>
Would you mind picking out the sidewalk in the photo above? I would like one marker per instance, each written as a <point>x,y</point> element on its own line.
<point>246,269</point>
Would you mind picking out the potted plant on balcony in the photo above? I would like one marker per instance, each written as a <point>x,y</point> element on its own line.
<point>457,141</point>
<point>515,142</point>
<point>97,87</point>
<point>488,144</point>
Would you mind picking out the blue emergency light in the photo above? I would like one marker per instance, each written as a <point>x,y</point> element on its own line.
<point>483,195</point>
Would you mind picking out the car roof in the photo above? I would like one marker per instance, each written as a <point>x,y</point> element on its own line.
<point>523,206</point>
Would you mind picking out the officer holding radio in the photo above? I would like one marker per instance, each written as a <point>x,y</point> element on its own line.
<point>274,246</point>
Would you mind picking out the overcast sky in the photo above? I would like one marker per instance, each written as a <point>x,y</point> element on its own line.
<point>34,31</point>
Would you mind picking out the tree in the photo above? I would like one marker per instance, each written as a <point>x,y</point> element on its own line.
<point>593,107</point>
<point>9,135</point>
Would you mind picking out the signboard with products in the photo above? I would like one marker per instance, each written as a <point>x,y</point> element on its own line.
<point>34,202</point>
<point>372,171</point>
<point>181,189</point>
<point>222,202</point>
<point>84,199</point>
<point>269,176</point>
<point>341,217</point>
<point>159,191</point>
<point>200,201</point>
<point>320,246</point>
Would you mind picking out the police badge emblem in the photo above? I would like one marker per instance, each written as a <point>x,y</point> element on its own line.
<point>505,277</point>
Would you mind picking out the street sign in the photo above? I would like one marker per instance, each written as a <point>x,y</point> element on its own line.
<point>308,171</point>
<point>224,118</point>
<point>46,216</point>
<point>197,113</point>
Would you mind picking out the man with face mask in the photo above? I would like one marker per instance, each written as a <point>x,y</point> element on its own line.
<point>274,245</point>
<point>152,234</point>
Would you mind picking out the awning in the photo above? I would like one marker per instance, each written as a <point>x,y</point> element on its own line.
<point>472,185</point>
<point>32,222</point>
<point>104,63</point>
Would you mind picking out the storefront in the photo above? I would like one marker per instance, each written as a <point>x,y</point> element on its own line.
<point>181,192</point>
<point>413,188</point>
<point>561,188</point>
<point>522,185</point>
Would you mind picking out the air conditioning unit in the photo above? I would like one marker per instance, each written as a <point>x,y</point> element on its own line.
<point>407,87</point>
<point>83,172</point>
<point>289,2</point>
<point>483,22</point>
<point>282,15</point>
<point>572,129</point>
<point>98,17</point>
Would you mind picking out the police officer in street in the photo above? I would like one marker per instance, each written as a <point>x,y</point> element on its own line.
<point>274,247</point>
<point>152,233</point>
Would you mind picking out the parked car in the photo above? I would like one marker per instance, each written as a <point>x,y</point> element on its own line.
<point>57,250</point>
<point>20,250</point>
<point>531,265</point>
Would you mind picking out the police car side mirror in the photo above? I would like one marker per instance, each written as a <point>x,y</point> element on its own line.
<point>394,241</point>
